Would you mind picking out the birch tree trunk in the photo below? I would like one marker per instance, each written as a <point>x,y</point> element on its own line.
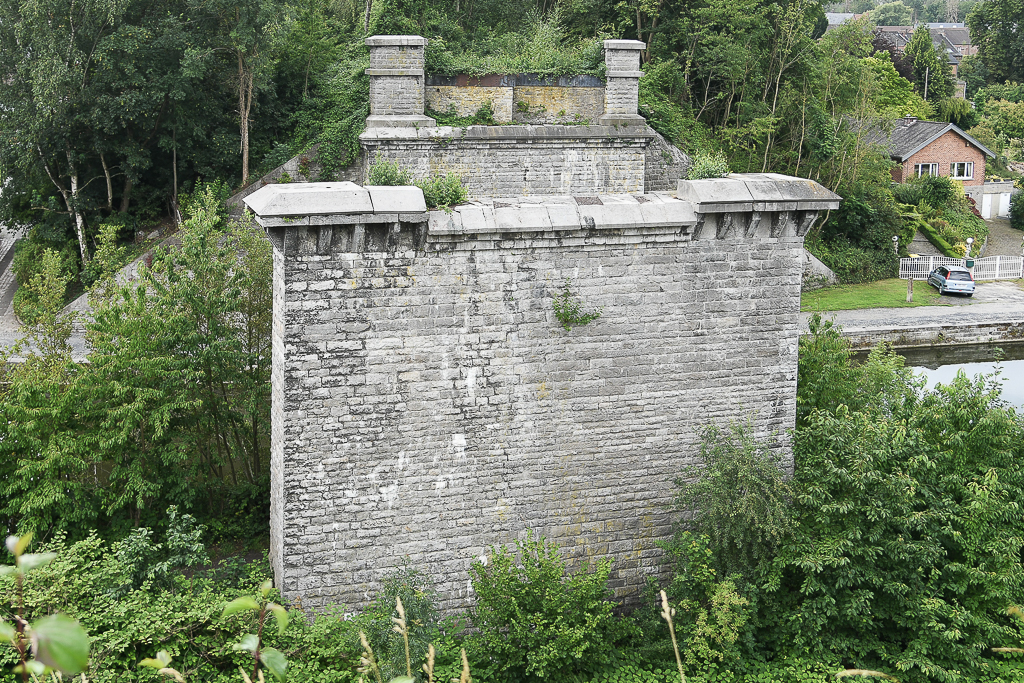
<point>74,210</point>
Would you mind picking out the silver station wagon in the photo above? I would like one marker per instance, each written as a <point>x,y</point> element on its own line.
<point>952,279</point>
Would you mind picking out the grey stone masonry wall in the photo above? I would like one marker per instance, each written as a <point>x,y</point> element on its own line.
<point>622,90</point>
<point>427,404</point>
<point>397,81</point>
<point>664,165</point>
<point>614,156</point>
<point>513,161</point>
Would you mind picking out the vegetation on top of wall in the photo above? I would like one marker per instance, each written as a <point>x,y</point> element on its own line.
<point>439,192</point>
<point>540,47</point>
<point>484,116</point>
<point>708,165</point>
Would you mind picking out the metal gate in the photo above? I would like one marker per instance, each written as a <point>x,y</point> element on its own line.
<point>988,268</point>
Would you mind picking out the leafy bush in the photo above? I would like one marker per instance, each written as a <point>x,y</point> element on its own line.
<point>540,48</point>
<point>28,263</point>
<point>83,582</point>
<point>739,499</point>
<point>442,192</point>
<point>938,191</point>
<point>484,116</point>
<point>909,529</point>
<point>710,611</point>
<point>708,165</point>
<point>384,172</point>
<point>537,619</point>
<point>855,264</point>
<point>1017,211</point>
<point>143,560</point>
<point>420,602</point>
<point>438,191</point>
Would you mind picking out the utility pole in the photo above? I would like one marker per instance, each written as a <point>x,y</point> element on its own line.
<point>926,83</point>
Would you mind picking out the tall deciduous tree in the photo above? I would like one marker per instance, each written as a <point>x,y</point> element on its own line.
<point>996,30</point>
<point>246,36</point>
<point>179,377</point>
<point>47,54</point>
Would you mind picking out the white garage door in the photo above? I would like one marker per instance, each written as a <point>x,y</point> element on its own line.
<point>1004,204</point>
<point>986,206</point>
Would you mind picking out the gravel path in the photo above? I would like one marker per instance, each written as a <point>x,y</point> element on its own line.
<point>1002,239</point>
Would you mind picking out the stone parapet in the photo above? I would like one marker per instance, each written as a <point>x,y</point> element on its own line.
<point>512,161</point>
<point>756,204</point>
<point>428,404</point>
<point>397,81</point>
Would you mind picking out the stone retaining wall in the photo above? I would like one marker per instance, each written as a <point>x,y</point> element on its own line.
<point>513,161</point>
<point>519,98</point>
<point>937,335</point>
<point>428,404</point>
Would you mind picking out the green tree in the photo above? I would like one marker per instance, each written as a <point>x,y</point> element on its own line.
<point>739,500</point>
<point>179,373</point>
<point>931,68</point>
<point>996,30</point>
<point>45,482</point>
<point>245,35</point>
<point>894,95</point>
<point>892,14</point>
<point>907,548</point>
<point>47,52</point>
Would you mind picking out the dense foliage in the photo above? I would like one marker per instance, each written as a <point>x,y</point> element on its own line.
<point>116,109</point>
<point>894,546</point>
<point>173,405</point>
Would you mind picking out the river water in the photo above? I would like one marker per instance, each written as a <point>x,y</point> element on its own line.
<point>940,365</point>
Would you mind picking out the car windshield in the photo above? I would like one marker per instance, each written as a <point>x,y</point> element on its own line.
<point>959,276</point>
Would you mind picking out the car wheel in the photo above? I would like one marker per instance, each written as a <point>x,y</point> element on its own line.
<point>942,290</point>
<point>970,294</point>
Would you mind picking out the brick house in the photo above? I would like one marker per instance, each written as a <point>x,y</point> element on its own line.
<point>934,148</point>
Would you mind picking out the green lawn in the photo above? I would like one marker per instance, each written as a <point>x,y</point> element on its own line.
<point>882,294</point>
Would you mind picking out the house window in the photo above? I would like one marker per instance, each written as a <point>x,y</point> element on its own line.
<point>964,170</point>
<point>926,169</point>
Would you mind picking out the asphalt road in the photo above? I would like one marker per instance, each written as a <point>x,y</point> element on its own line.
<point>997,301</point>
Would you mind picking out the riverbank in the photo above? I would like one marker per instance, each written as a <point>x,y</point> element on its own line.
<point>996,313</point>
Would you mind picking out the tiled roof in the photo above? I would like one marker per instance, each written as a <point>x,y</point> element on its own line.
<point>957,36</point>
<point>911,136</point>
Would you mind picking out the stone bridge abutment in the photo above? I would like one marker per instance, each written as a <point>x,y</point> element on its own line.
<point>427,403</point>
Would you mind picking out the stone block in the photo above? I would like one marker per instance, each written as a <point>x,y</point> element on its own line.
<point>308,199</point>
<point>394,199</point>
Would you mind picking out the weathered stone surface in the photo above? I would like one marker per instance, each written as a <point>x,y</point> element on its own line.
<point>756,192</point>
<point>310,199</point>
<point>513,161</point>
<point>427,403</point>
<point>402,199</point>
<point>622,74</point>
<point>397,82</point>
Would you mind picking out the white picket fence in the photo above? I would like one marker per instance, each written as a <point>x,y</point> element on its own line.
<point>988,268</point>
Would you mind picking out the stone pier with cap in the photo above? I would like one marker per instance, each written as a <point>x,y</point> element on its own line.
<point>427,402</point>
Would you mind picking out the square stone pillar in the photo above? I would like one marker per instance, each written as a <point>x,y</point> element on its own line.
<point>397,82</point>
<point>622,90</point>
